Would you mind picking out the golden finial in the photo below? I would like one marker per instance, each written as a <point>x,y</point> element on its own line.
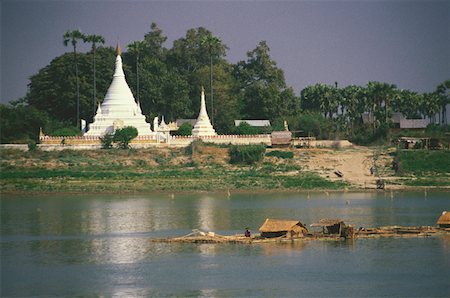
<point>118,49</point>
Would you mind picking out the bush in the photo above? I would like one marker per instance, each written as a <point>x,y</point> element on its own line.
<point>124,136</point>
<point>246,129</point>
<point>32,146</point>
<point>107,141</point>
<point>281,154</point>
<point>185,129</point>
<point>366,136</point>
<point>247,154</point>
<point>194,146</point>
<point>66,132</point>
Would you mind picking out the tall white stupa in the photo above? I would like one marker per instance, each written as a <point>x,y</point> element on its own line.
<point>119,109</point>
<point>203,127</point>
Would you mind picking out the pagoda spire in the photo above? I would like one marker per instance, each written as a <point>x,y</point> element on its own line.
<point>203,125</point>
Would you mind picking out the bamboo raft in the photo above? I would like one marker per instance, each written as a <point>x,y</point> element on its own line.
<point>199,237</point>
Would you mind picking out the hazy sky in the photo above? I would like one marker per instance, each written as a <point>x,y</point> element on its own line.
<point>352,42</point>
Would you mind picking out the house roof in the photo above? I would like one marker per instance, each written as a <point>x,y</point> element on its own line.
<point>327,222</point>
<point>259,123</point>
<point>444,219</point>
<point>278,225</point>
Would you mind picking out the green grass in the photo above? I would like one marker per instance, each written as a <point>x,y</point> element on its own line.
<point>428,182</point>
<point>281,154</point>
<point>128,171</point>
<point>423,162</point>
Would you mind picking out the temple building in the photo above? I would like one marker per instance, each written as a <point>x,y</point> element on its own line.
<point>203,127</point>
<point>119,109</point>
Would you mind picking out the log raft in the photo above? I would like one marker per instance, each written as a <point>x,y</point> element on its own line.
<point>362,233</point>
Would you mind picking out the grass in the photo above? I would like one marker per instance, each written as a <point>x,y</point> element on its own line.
<point>424,162</point>
<point>131,171</point>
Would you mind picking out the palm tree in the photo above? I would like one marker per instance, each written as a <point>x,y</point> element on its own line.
<point>136,48</point>
<point>73,37</point>
<point>94,40</point>
<point>444,91</point>
<point>211,42</point>
<point>379,94</point>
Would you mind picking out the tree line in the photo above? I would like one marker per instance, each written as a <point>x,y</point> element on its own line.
<point>167,81</point>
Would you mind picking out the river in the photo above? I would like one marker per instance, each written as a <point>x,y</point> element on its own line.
<point>91,245</point>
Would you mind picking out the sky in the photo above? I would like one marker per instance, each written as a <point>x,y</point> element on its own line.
<point>401,42</point>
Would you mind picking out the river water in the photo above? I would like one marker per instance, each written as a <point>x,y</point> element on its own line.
<point>99,246</point>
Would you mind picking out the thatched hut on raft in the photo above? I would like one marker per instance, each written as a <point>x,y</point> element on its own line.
<point>273,228</point>
<point>444,220</point>
<point>330,226</point>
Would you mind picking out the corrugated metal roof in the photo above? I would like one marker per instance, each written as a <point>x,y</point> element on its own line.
<point>259,123</point>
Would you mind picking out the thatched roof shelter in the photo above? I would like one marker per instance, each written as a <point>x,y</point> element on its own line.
<point>333,225</point>
<point>444,220</point>
<point>277,228</point>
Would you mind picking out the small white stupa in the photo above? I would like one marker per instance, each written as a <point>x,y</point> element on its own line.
<point>119,109</point>
<point>203,127</point>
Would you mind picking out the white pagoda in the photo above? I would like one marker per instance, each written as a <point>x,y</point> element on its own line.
<point>203,127</point>
<point>119,109</point>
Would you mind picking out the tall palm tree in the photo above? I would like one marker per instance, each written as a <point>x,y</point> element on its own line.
<point>136,49</point>
<point>211,42</point>
<point>73,37</point>
<point>94,40</point>
<point>444,91</point>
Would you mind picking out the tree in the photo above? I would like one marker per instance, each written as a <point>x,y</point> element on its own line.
<point>124,136</point>
<point>52,89</point>
<point>444,92</point>
<point>135,49</point>
<point>262,87</point>
<point>379,95</point>
<point>73,37</point>
<point>185,129</point>
<point>353,103</point>
<point>188,57</point>
<point>321,98</point>
<point>154,41</point>
<point>212,43</point>
<point>94,40</point>
<point>20,123</point>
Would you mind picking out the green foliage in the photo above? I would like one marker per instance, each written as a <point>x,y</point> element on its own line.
<point>107,140</point>
<point>311,124</point>
<point>185,129</point>
<point>365,135</point>
<point>419,162</point>
<point>32,146</point>
<point>21,123</point>
<point>66,132</point>
<point>246,129</point>
<point>263,88</point>
<point>124,136</point>
<point>281,154</point>
<point>248,154</point>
